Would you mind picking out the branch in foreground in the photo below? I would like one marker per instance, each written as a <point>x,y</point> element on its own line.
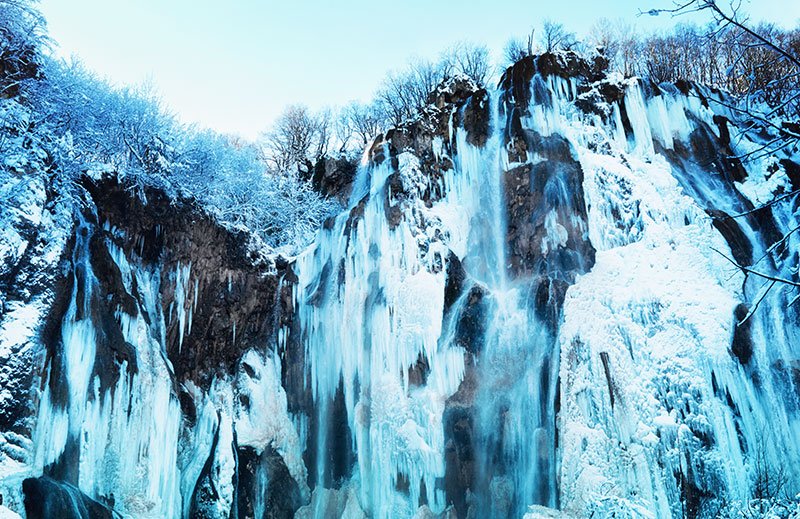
<point>748,270</point>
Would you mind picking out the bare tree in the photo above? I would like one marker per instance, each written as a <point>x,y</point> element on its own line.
<point>620,44</point>
<point>514,50</point>
<point>403,93</point>
<point>762,63</point>
<point>517,48</point>
<point>470,59</point>
<point>298,139</point>
<point>679,54</point>
<point>323,133</point>
<point>762,66</point>
<point>363,121</point>
<point>556,37</point>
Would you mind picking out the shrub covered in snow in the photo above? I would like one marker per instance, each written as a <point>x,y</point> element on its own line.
<point>59,122</point>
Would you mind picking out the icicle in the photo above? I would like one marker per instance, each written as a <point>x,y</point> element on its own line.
<point>637,114</point>
<point>127,435</point>
<point>182,276</point>
<point>387,297</point>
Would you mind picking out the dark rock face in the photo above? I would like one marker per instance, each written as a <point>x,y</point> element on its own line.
<point>232,284</point>
<point>334,178</point>
<point>460,458</point>
<point>466,305</point>
<point>742,346</point>
<point>793,172</point>
<point>470,319</point>
<point>456,278</point>
<point>394,197</point>
<point>707,167</point>
<point>595,99</point>
<point>546,212</point>
<point>715,153</point>
<point>46,498</point>
<point>517,79</point>
<point>475,118</point>
<point>265,483</point>
<point>544,201</point>
<point>740,245</point>
<point>110,295</point>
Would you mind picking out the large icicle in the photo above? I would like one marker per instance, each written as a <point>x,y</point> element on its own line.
<point>367,301</point>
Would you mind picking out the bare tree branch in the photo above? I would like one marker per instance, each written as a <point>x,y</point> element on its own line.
<point>748,270</point>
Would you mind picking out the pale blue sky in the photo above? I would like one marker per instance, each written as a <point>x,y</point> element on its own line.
<point>232,65</point>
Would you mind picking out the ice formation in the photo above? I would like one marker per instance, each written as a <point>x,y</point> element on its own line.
<point>551,320</point>
<point>638,400</point>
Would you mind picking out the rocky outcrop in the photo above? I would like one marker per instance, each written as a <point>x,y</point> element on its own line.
<point>458,102</point>
<point>232,286</point>
<point>517,80</point>
<point>545,206</point>
<point>46,498</point>
<point>546,211</point>
<point>334,177</point>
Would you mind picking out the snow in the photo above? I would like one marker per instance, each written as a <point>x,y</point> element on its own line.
<point>542,512</point>
<point>762,186</point>
<point>22,200</point>
<point>325,502</point>
<point>661,303</point>
<point>6,513</point>
<point>20,321</point>
<point>661,320</point>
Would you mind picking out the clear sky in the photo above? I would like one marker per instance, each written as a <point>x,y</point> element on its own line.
<point>232,65</point>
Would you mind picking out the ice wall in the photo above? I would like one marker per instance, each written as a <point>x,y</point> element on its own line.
<point>116,422</point>
<point>644,393</point>
<point>370,304</point>
<point>663,410</point>
<point>121,439</point>
<point>531,298</point>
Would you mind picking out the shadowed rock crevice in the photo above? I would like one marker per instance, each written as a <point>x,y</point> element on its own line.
<point>265,490</point>
<point>46,498</point>
<point>546,211</point>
